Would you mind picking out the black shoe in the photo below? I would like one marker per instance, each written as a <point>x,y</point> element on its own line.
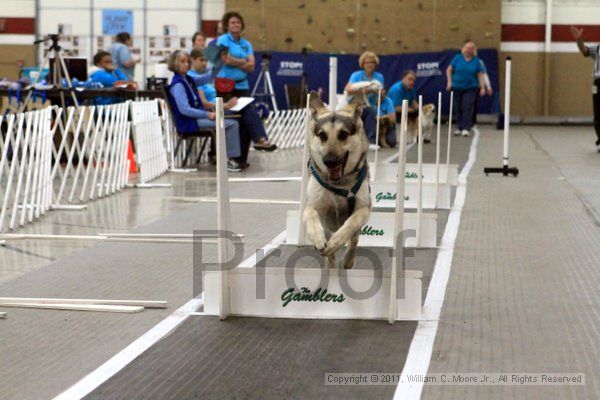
<point>426,140</point>
<point>234,166</point>
<point>265,146</point>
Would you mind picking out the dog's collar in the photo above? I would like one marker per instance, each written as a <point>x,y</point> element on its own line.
<point>350,195</point>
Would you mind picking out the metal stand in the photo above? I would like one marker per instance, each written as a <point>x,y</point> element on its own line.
<point>265,76</point>
<point>505,170</point>
<point>58,72</point>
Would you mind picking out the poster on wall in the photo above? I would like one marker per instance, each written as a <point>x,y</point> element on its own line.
<point>116,21</point>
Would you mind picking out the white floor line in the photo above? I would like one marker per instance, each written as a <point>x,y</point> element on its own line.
<point>421,347</point>
<point>394,157</point>
<point>103,373</point>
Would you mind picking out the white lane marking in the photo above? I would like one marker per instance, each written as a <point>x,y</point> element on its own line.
<point>421,347</point>
<point>119,361</point>
<point>101,374</point>
<point>394,157</point>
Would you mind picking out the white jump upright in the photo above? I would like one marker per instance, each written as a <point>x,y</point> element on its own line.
<point>25,164</point>
<point>420,172</point>
<point>312,293</point>
<point>437,151</point>
<point>505,170</point>
<point>151,155</point>
<point>333,83</point>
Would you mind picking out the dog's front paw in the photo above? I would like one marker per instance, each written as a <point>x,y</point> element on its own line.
<point>320,245</point>
<point>332,246</point>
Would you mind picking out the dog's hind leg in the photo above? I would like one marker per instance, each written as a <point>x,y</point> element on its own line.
<point>314,229</point>
<point>350,253</point>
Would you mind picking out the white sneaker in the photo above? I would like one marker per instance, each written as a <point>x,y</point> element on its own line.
<point>465,133</point>
<point>456,132</point>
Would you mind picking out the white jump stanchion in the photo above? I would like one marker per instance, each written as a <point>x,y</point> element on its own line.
<point>304,187</point>
<point>437,150</point>
<point>223,223</point>
<point>17,145</point>
<point>377,135</point>
<point>332,83</point>
<point>420,172</point>
<point>505,170</point>
<point>398,256</point>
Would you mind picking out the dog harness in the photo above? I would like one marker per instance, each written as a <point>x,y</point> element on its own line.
<point>350,195</point>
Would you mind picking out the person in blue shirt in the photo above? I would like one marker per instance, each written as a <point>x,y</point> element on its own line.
<point>387,122</point>
<point>405,90</point>
<point>368,62</point>
<point>189,115</point>
<point>107,75</point>
<point>238,63</point>
<point>122,56</point>
<point>465,78</point>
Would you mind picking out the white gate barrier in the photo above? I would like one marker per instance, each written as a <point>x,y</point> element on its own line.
<point>285,128</point>
<point>92,145</point>
<point>25,168</point>
<point>151,154</point>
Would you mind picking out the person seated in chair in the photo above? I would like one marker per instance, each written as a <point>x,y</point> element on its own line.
<point>105,73</point>
<point>190,116</point>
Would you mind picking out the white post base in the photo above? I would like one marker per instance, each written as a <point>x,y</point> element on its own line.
<point>183,170</point>
<point>278,294</point>
<point>379,231</point>
<point>69,207</point>
<point>152,185</point>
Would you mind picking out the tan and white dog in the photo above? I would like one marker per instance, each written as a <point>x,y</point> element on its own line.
<point>428,118</point>
<point>338,200</point>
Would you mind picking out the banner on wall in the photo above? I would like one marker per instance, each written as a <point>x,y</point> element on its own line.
<point>430,68</point>
<point>117,21</point>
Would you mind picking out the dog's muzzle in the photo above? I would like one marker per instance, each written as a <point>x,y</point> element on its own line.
<point>335,165</point>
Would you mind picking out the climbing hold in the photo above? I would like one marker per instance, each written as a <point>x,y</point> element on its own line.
<point>301,5</point>
<point>350,32</point>
<point>289,40</point>
<point>383,40</point>
<point>489,34</point>
<point>454,26</point>
<point>420,6</point>
<point>308,46</point>
<point>309,20</point>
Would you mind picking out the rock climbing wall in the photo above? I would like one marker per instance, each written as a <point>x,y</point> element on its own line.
<point>382,26</point>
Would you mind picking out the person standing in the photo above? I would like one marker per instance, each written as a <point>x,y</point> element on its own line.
<point>593,52</point>
<point>238,63</point>
<point>465,77</point>
<point>121,55</point>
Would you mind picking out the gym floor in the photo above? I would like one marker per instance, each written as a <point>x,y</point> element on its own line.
<point>521,295</point>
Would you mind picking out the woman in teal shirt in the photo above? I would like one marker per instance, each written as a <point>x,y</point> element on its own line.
<point>368,63</point>
<point>238,63</point>
<point>465,78</point>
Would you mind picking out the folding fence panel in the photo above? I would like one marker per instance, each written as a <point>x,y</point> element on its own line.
<point>25,167</point>
<point>285,128</point>
<point>149,142</point>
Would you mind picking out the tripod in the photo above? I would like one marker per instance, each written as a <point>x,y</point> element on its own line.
<point>58,72</point>
<point>265,75</point>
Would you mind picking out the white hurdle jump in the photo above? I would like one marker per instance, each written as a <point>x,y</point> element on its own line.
<point>317,292</point>
<point>429,181</point>
<point>25,168</point>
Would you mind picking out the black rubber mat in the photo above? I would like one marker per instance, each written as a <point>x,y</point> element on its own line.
<point>254,358</point>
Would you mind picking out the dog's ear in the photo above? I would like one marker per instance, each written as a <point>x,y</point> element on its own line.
<point>315,104</point>
<point>355,109</point>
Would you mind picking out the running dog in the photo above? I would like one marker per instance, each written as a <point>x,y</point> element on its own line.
<point>338,200</point>
<point>427,118</point>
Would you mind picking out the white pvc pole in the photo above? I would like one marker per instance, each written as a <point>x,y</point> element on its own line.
<point>84,147</point>
<point>222,208</point>
<point>13,167</point>
<point>377,136</point>
<point>333,83</point>
<point>437,149</point>
<point>31,164</point>
<point>303,187</point>
<point>420,173</point>
<point>449,136</point>
<point>506,111</point>
<point>99,125</point>
<point>397,263</point>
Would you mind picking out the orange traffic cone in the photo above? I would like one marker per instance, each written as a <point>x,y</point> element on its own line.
<point>131,158</point>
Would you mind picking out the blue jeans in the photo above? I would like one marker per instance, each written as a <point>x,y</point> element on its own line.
<point>250,123</point>
<point>369,119</point>
<point>464,102</point>
<point>390,136</point>
<point>232,135</point>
